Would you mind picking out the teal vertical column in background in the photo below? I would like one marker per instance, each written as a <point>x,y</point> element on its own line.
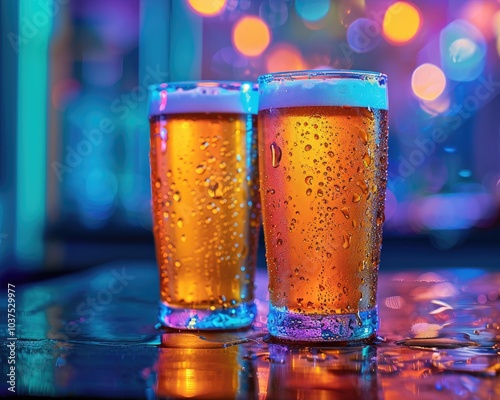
<point>35,25</point>
<point>8,92</point>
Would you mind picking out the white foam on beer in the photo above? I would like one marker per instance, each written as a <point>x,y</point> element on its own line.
<point>165,99</point>
<point>349,92</point>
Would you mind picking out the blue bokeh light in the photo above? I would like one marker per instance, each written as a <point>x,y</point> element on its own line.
<point>312,10</point>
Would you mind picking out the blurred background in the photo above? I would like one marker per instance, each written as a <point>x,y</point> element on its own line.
<point>74,139</point>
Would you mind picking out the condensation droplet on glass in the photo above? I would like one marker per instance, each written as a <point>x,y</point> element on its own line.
<point>356,197</point>
<point>309,191</point>
<point>180,222</point>
<point>345,211</point>
<point>279,242</point>
<point>307,147</point>
<point>177,196</point>
<point>309,180</point>
<point>200,169</point>
<point>275,155</point>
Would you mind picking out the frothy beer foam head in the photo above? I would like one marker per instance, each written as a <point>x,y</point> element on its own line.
<point>323,88</point>
<point>203,97</point>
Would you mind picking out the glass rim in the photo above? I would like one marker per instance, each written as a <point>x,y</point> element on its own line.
<point>320,73</point>
<point>209,83</point>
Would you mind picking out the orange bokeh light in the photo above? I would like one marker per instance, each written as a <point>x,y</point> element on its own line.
<point>251,36</point>
<point>401,22</point>
<point>208,8</point>
<point>428,81</point>
<point>284,57</point>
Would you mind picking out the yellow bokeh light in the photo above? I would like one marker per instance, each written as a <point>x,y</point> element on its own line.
<point>251,36</point>
<point>428,81</point>
<point>401,22</point>
<point>284,57</point>
<point>208,8</point>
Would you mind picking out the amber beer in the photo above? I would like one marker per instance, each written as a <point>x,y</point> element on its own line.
<point>323,162</point>
<point>205,202</point>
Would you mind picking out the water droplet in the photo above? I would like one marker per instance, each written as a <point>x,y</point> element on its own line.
<point>321,287</point>
<point>320,193</point>
<point>309,191</point>
<point>367,159</point>
<point>329,255</point>
<point>208,220</point>
<point>177,263</point>
<point>180,223</point>
<point>363,135</point>
<point>331,153</point>
<point>279,242</point>
<point>309,180</point>
<point>347,240</point>
<point>215,191</point>
<point>356,197</point>
<point>380,217</point>
<point>183,238</point>
<point>177,196</point>
<point>354,224</point>
<point>308,147</point>
<point>271,191</point>
<point>204,145</point>
<point>275,155</point>
<point>337,188</point>
<point>200,169</point>
<point>345,211</point>
<point>316,136</point>
<point>222,165</point>
<point>288,178</point>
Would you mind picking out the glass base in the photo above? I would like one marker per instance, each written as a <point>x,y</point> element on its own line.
<point>336,328</point>
<point>238,317</point>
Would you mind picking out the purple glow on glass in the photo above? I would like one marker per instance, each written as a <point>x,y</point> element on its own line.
<point>163,100</point>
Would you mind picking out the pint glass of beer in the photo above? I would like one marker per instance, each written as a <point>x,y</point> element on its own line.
<point>323,173</point>
<point>205,202</point>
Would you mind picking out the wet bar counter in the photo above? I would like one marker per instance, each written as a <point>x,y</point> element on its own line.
<point>92,334</point>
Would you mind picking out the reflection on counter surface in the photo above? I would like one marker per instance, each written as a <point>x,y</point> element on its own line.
<point>439,338</point>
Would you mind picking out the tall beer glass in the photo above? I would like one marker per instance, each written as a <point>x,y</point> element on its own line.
<point>323,172</point>
<point>205,202</point>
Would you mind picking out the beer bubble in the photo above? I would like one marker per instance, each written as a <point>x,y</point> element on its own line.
<point>356,198</point>
<point>275,155</point>
<point>345,211</point>
<point>307,147</point>
<point>177,196</point>
<point>309,180</point>
<point>200,169</point>
<point>309,191</point>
